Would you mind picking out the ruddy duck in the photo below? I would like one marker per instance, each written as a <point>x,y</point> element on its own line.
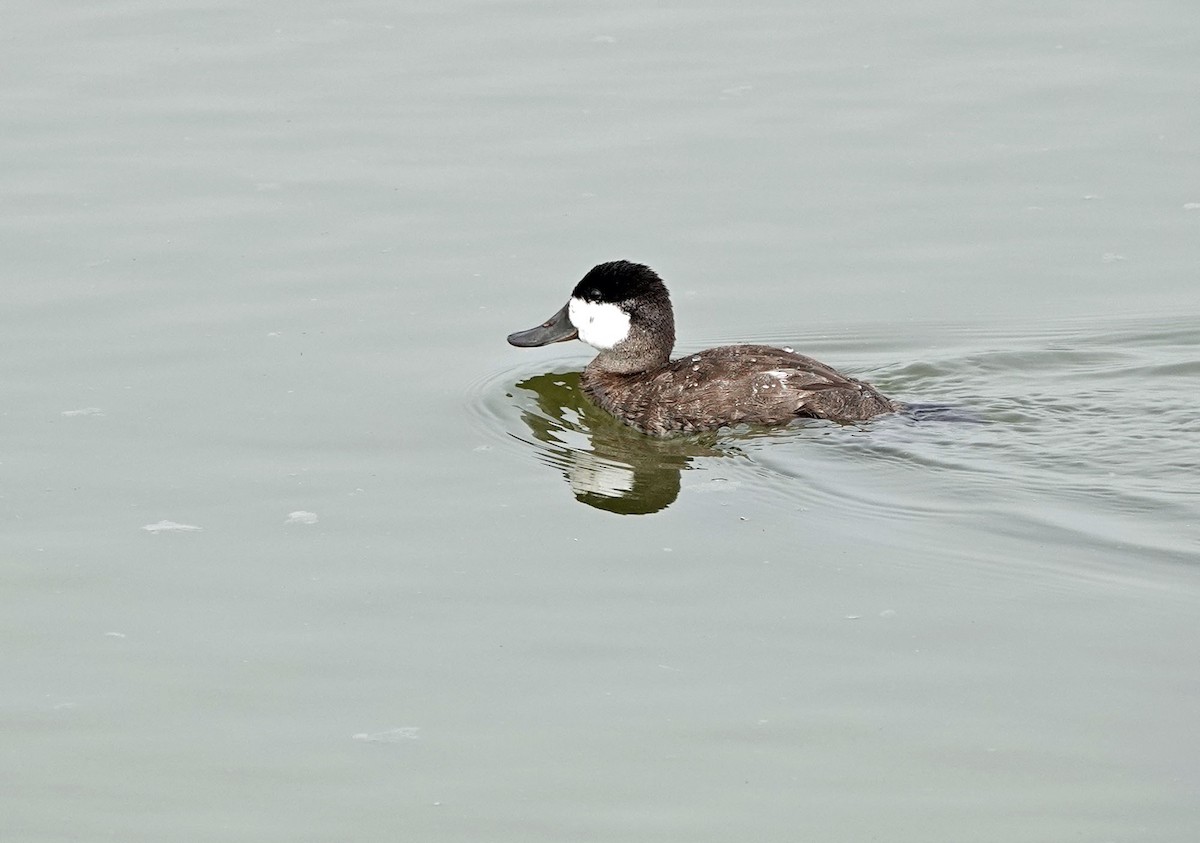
<point>622,310</point>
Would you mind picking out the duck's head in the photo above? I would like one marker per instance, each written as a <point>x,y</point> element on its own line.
<point>622,310</point>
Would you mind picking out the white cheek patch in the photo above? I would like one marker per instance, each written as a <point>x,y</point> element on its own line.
<point>601,325</point>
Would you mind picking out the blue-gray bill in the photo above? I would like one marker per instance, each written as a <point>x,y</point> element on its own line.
<point>557,328</point>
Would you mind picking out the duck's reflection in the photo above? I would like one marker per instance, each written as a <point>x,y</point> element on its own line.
<point>608,465</point>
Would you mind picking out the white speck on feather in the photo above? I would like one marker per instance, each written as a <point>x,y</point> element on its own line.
<point>301,517</point>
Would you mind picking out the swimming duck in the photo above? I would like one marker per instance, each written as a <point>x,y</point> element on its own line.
<point>623,310</point>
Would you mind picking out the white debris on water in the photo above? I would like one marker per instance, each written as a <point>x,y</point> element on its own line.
<point>86,411</point>
<point>403,733</point>
<point>171,527</point>
<point>301,517</point>
<point>718,484</point>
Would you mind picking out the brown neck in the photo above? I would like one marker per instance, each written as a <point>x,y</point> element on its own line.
<point>647,347</point>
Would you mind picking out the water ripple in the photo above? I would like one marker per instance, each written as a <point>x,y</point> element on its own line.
<point>1075,433</point>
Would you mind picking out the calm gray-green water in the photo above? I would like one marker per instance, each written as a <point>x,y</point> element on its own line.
<point>293,546</point>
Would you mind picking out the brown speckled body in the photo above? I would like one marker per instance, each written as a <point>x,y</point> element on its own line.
<point>623,310</point>
<point>730,385</point>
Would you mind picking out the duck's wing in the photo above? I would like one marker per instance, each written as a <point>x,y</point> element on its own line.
<point>770,385</point>
<point>733,385</point>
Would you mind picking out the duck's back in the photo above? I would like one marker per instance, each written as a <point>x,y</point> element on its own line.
<point>730,385</point>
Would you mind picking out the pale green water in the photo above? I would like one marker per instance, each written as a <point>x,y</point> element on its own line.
<point>259,264</point>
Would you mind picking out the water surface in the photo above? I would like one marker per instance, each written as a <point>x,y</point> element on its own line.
<point>294,547</point>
